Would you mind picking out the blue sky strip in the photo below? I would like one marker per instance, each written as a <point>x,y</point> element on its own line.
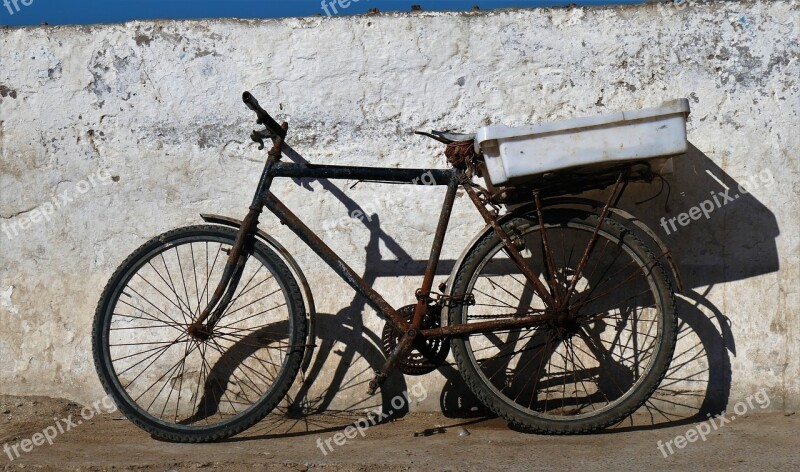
<point>55,12</point>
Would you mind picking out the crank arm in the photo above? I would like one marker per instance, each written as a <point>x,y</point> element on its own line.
<point>402,348</point>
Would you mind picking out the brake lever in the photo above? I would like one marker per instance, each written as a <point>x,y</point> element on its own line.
<point>260,136</point>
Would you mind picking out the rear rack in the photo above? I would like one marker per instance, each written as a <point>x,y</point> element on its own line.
<point>572,182</point>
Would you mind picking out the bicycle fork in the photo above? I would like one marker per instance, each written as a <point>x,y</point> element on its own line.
<point>203,327</point>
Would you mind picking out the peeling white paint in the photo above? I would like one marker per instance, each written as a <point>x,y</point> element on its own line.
<point>5,300</point>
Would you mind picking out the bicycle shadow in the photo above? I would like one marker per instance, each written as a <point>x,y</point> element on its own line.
<point>312,407</point>
<point>698,382</point>
<point>735,242</point>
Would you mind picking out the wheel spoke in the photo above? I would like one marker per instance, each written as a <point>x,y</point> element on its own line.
<point>588,358</point>
<point>205,383</point>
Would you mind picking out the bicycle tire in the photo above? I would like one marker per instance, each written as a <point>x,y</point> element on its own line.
<point>535,421</point>
<point>289,367</point>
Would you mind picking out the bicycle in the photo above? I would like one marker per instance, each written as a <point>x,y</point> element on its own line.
<point>561,319</point>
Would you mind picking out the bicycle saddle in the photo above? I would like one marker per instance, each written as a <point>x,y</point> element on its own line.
<point>447,137</point>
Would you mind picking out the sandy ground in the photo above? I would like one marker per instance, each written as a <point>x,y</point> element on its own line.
<point>416,442</point>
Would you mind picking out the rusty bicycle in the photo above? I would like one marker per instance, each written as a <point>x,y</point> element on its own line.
<point>560,314</point>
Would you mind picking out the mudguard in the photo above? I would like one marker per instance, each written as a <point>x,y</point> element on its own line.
<point>622,217</point>
<point>308,297</point>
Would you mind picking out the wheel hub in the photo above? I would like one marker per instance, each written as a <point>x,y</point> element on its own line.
<point>199,332</point>
<point>566,324</point>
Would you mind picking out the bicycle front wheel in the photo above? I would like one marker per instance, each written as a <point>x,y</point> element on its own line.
<point>582,373</point>
<point>181,388</point>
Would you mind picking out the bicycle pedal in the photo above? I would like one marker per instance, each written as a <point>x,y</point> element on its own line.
<point>375,383</point>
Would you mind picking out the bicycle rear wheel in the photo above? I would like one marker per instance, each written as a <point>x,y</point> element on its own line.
<point>175,386</point>
<point>570,376</point>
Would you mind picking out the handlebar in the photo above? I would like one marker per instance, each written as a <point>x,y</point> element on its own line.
<point>263,116</point>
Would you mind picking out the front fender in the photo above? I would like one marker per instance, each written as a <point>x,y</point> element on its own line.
<point>308,297</point>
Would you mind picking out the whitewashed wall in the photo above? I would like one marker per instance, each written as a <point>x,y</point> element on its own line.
<point>141,126</point>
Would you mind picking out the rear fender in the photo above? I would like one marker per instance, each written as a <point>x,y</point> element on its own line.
<point>622,217</point>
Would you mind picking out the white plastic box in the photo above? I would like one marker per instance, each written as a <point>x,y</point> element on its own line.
<point>514,155</point>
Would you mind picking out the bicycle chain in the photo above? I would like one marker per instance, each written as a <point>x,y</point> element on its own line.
<point>442,299</point>
<point>494,317</point>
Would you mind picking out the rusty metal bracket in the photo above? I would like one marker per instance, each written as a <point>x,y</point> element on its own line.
<point>443,299</point>
<point>564,302</point>
<point>552,279</point>
<point>511,248</point>
<point>574,203</point>
<point>624,217</point>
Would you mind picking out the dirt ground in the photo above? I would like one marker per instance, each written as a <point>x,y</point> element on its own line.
<point>428,442</point>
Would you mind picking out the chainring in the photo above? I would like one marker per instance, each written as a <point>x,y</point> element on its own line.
<point>416,362</point>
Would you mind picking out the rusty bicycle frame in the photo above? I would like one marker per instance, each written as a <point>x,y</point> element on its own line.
<point>554,297</point>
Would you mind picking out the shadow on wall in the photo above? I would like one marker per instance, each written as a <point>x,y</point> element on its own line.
<point>718,233</point>
<point>732,241</point>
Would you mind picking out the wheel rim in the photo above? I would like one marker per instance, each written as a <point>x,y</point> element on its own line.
<point>565,371</point>
<point>182,382</point>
